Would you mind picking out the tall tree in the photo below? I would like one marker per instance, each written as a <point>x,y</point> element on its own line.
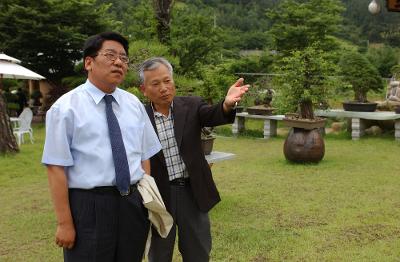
<point>139,22</point>
<point>383,58</point>
<point>195,39</point>
<point>163,10</point>
<point>7,138</point>
<point>299,24</point>
<point>47,35</point>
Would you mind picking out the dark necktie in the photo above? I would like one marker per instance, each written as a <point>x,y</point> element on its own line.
<point>118,149</point>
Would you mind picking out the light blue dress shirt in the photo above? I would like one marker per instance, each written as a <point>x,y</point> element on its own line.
<point>77,136</point>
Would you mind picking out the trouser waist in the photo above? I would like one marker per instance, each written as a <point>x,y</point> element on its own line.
<point>106,190</point>
<point>180,182</point>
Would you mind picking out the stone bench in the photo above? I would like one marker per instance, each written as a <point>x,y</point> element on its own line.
<point>358,120</point>
<point>270,123</point>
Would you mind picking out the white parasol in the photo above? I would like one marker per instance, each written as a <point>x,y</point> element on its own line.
<point>10,68</point>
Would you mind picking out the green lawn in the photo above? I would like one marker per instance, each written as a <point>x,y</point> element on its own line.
<point>346,208</point>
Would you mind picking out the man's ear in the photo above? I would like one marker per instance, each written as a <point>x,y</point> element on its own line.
<point>142,89</point>
<point>88,63</point>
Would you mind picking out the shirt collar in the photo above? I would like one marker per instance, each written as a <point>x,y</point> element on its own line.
<point>98,95</point>
<point>171,108</point>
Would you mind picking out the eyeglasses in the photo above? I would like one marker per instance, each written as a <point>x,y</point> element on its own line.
<point>113,56</point>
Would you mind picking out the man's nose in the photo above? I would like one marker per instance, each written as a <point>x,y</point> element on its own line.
<point>118,61</point>
<point>163,88</point>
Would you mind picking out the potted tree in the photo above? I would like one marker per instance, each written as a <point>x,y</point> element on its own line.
<point>263,94</point>
<point>360,76</point>
<point>304,82</point>
<point>207,140</point>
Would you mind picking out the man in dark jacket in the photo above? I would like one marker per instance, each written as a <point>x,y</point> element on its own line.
<point>180,170</point>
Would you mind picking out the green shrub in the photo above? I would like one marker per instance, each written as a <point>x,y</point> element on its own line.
<point>303,82</point>
<point>359,75</point>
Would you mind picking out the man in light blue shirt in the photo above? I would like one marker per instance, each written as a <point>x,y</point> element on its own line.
<point>95,221</point>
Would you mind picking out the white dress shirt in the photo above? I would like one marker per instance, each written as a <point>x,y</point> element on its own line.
<point>77,136</point>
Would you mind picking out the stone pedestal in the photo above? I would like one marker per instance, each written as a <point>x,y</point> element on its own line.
<point>357,128</point>
<point>238,125</point>
<point>397,129</point>
<point>270,128</point>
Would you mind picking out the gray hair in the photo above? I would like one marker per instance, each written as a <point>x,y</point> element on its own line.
<point>151,64</point>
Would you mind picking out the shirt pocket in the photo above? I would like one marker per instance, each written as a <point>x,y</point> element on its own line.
<point>134,138</point>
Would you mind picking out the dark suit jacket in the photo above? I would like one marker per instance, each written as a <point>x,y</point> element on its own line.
<point>190,115</point>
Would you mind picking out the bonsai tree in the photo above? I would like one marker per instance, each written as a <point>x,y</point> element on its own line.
<point>263,92</point>
<point>304,80</point>
<point>359,75</point>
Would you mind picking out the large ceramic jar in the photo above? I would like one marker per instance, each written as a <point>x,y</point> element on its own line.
<point>304,146</point>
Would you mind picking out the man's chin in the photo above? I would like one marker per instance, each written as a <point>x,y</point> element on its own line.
<point>117,82</point>
<point>165,102</point>
<point>168,102</point>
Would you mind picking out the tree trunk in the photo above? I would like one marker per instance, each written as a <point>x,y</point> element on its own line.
<point>306,109</point>
<point>8,142</point>
<point>360,96</point>
<point>306,106</point>
<point>163,15</point>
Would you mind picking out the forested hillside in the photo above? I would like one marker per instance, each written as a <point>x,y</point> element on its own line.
<point>204,38</point>
<point>249,18</point>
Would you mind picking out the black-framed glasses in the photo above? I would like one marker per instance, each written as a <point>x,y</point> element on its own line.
<point>113,56</point>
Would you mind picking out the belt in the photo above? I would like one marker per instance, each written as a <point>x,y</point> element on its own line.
<point>107,190</point>
<point>180,182</point>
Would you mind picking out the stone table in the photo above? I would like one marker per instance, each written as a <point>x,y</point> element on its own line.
<point>358,119</point>
<point>270,123</point>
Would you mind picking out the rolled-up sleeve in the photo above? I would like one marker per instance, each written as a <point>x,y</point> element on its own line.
<point>57,149</point>
<point>151,144</point>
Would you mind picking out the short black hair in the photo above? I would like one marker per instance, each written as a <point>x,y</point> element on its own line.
<point>94,43</point>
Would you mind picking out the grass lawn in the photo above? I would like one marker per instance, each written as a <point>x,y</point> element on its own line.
<point>346,208</point>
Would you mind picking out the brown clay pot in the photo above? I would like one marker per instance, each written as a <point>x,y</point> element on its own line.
<point>260,110</point>
<point>304,146</point>
<point>207,145</point>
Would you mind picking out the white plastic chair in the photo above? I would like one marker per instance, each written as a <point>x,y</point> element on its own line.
<point>25,120</point>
